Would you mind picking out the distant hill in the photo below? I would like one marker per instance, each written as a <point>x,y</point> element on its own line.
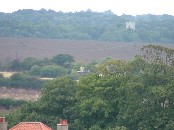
<point>87,25</point>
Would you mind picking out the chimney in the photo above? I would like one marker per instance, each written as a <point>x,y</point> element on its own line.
<point>3,124</point>
<point>63,125</point>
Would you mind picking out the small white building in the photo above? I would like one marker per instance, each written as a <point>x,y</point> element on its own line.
<point>130,25</point>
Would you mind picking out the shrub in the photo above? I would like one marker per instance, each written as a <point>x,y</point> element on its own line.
<point>7,103</point>
<point>52,71</point>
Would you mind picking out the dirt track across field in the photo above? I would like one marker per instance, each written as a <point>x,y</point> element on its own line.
<point>83,51</point>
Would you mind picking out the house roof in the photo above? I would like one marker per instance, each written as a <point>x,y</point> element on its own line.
<point>30,126</point>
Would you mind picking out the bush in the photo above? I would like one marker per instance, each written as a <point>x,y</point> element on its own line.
<point>64,60</point>
<point>52,71</point>
<point>35,70</point>
<point>2,80</point>
<point>7,103</point>
<point>20,80</point>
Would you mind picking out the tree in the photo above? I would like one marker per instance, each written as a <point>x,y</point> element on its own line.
<point>52,71</point>
<point>145,100</point>
<point>57,102</point>
<point>15,65</point>
<point>29,62</point>
<point>158,54</point>
<point>134,95</point>
<point>21,80</point>
<point>112,67</point>
<point>64,60</point>
<point>58,98</point>
<point>35,70</point>
<point>97,95</point>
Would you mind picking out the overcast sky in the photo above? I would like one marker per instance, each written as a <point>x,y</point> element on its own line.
<point>131,7</point>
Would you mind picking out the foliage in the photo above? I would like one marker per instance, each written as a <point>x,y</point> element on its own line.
<point>58,98</point>
<point>87,25</point>
<point>158,54</point>
<point>102,107</point>
<point>26,64</point>
<point>117,128</point>
<point>119,95</point>
<point>1,76</point>
<point>31,112</point>
<point>20,80</point>
<point>35,70</point>
<point>147,100</point>
<point>29,62</point>
<point>2,80</point>
<point>29,71</point>
<point>7,103</point>
<point>52,71</point>
<point>15,65</point>
<point>64,60</point>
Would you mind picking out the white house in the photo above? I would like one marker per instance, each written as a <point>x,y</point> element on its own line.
<point>130,25</point>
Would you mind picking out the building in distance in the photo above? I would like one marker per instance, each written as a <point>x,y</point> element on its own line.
<point>130,25</point>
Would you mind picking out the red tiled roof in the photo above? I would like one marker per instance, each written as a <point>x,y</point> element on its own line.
<point>30,126</point>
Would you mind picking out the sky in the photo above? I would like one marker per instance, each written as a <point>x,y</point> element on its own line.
<point>119,7</point>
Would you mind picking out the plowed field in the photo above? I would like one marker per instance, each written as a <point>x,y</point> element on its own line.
<point>83,51</point>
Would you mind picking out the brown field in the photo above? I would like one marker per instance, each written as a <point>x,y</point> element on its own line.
<point>83,51</point>
<point>19,94</point>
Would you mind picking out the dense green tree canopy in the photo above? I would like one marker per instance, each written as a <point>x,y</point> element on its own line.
<point>87,25</point>
<point>64,60</point>
<point>57,101</point>
<point>58,96</point>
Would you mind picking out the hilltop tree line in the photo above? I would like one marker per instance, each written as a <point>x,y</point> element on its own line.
<point>87,25</point>
<point>116,95</point>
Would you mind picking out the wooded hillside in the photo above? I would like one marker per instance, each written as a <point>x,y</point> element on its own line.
<point>87,25</point>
